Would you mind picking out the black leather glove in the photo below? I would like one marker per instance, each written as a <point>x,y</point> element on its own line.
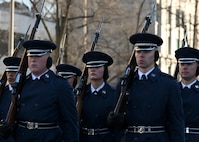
<point>115,120</point>
<point>5,129</point>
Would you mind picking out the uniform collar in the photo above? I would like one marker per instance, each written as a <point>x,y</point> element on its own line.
<point>38,77</point>
<point>189,85</point>
<point>146,74</point>
<point>100,87</point>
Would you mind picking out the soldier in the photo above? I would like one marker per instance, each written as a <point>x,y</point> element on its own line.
<point>188,60</point>
<point>71,73</point>
<point>154,110</point>
<point>12,66</point>
<point>47,110</point>
<point>98,100</point>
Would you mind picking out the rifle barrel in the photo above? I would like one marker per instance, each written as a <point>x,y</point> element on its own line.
<point>21,76</point>
<point>130,70</point>
<point>84,77</point>
<point>16,50</point>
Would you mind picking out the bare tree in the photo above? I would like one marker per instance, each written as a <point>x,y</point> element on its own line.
<point>121,19</point>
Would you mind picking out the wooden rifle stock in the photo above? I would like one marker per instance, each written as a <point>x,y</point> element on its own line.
<point>126,80</point>
<point>18,47</point>
<point>21,76</point>
<point>84,77</point>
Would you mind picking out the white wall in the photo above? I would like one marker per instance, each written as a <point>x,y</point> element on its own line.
<point>22,23</point>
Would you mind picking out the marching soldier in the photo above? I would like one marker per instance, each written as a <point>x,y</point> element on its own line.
<point>188,60</point>
<point>153,111</point>
<point>12,66</point>
<point>47,110</point>
<point>71,73</point>
<point>98,100</point>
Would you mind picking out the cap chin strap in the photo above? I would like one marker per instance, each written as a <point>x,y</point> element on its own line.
<point>145,46</point>
<point>67,73</point>
<point>12,68</point>
<point>37,52</point>
<point>187,60</point>
<point>146,49</point>
<point>95,64</point>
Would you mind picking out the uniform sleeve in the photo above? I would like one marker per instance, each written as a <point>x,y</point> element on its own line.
<point>69,118</point>
<point>175,114</point>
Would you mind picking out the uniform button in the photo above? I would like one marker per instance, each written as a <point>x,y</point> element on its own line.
<point>134,107</point>
<point>148,106</point>
<point>148,139</point>
<point>36,105</point>
<point>135,139</point>
<point>23,105</point>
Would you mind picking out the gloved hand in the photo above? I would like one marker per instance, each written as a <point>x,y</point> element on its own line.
<point>115,120</point>
<point>5,129</point>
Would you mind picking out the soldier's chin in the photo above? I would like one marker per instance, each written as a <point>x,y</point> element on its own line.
<point>11,80</point>
<point>93,78</point>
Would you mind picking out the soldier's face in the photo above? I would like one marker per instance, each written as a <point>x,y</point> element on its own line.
<point>96,73</point>
<point>145,59</point>
<point>71,80</point>
<point>37,64</point>
<point>11,77</point>
<point>188,71</point>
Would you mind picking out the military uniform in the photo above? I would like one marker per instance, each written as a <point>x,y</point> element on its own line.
<point>46,105</point>
<point>95,109</point>
<point>12,65</point>
<point>190,95</point>
<point>190,98</point>
<point>4,106</point>
<point>97,103</point>
<point>5,102</point>
<point>153,111</point>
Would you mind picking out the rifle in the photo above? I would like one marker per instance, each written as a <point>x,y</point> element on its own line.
<point>184,41</point>
<point>21,75</point>
<point>18,47</point>
<point>126,80</point>
<point>61,50</point>
<point>148,20</point>
<point>84,76</point>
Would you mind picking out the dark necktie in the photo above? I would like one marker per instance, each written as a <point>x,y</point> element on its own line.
<point>143,77</point>
<point>95,92</point>
<point>36,79</point>
<point>185,91</point>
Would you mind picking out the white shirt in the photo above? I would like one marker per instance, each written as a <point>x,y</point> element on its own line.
<point>146,74</point>
<point>189,85</point>
<point>38,77</point>
<point>100,87</point>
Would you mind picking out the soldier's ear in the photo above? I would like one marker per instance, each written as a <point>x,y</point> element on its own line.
<point>49,62</point>
<point>156,55</point>
<point>197,71</point>
<point>75,82</point>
